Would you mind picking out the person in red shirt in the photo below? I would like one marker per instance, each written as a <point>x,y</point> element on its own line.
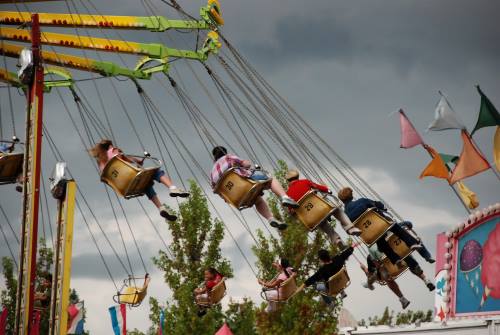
<point>212,278</point>
<point>297,188</point>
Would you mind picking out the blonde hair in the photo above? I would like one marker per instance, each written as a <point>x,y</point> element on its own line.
<point>99,150</point>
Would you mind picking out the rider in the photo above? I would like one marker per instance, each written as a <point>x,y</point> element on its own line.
<point>355,208</point>
<point>212,278</point>
<point>224,161</point>
<point>42,297</point>
<point>329,267</point>
<point>377,271</point>
<point>297,188</point>
<point>423,251</point>
<point>105,150</point>
<point>272,288</point>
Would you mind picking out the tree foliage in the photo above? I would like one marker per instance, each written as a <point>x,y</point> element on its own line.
<point>305,313</point>
<point>388,318</point>
<point>195,246</point>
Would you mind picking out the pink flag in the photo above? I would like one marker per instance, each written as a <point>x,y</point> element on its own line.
<point>409,135</point>
<point>224,330</point>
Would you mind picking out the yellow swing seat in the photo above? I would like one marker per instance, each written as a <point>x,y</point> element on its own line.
<point>286,290</point>
<point>132,295</point>
<point>126,179</point>
<point>393,270</point>
<point>314,209</point>
<point>215,295</point>
<point>11,167</point>
<point>399,246</point>
<point>372,225</point>
<point>337,283</point>
<point>238,191</point>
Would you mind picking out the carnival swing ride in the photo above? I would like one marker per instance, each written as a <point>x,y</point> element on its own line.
<point>248,116</point>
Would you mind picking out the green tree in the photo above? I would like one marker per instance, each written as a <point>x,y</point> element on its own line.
<point>8,295</point>
<point>195,246</point>
<point>305,313</point>
<point>240,317</point>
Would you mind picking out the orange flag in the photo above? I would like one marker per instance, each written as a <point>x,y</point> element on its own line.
<point>470,163</point>
<point>436,168</point>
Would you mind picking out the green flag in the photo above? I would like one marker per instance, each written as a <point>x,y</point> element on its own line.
<point>449,158</point>
<point>488,114</point>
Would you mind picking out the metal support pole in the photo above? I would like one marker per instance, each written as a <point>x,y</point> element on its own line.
<point>31,190</point>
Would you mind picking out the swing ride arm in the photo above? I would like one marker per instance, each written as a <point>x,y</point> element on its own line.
<point>152,50</point>
<point>151,23</point>
<point>12,79</point>
<point>107,69</point>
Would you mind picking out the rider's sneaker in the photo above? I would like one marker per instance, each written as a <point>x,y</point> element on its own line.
<point>166,214</point>
<point>430,286</point>
<point>289,202</point>
<point>177,192</point>
<point>278,225</point>
<point>404,302</point>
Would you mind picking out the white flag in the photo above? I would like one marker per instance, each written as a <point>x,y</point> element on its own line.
<point>445,117</point>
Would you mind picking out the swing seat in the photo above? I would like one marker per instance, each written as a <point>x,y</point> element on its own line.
<point>132,295</point>
<point>126,179</point>
<point>372,225</point>
<point>238,191</point>
<point>314,209</point>
<point>393,270</point>
<point>337,283</point>
<point>215,296</point>
<point>11,166</point>
<point>215,12</point>
<point>399,246</point>
<point>285,291</point>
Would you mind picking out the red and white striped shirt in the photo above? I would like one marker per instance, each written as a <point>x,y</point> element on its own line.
<point>225,163</point>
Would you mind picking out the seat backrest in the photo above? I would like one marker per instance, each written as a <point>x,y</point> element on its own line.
<point>393,270</point>
<point>338,282</point>
<point>218,292</point>
<point>313,210</point>
<point>372,225</point>
<point>125,178</point>
<point>399,246</point>
<point>287,289</point>
<point>11,166</point>
<point>238,191</point>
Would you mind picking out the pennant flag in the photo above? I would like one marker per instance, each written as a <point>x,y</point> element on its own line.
<point>470,163</point>
<point>488,114</point>
<point>224,330</point>
<point>469,198</point>
<point>119,319</point>
<point>162,323</point>
<point>3,321</point>
<point>437,167</point>
<point>445,117</point>
<point>409,135</point>
<point>496,148</point>
<point>75,319</point>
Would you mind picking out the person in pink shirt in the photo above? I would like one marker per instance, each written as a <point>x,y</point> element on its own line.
<point>272,288</point>
<point>104,151</point>
<point>224,161</point>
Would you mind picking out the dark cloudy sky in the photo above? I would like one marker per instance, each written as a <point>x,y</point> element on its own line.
<point>345,66</point>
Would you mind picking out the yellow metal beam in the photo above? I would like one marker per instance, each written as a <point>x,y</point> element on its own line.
<point>83,42</point>
<point>153,23</point>
<point>75,62</point>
